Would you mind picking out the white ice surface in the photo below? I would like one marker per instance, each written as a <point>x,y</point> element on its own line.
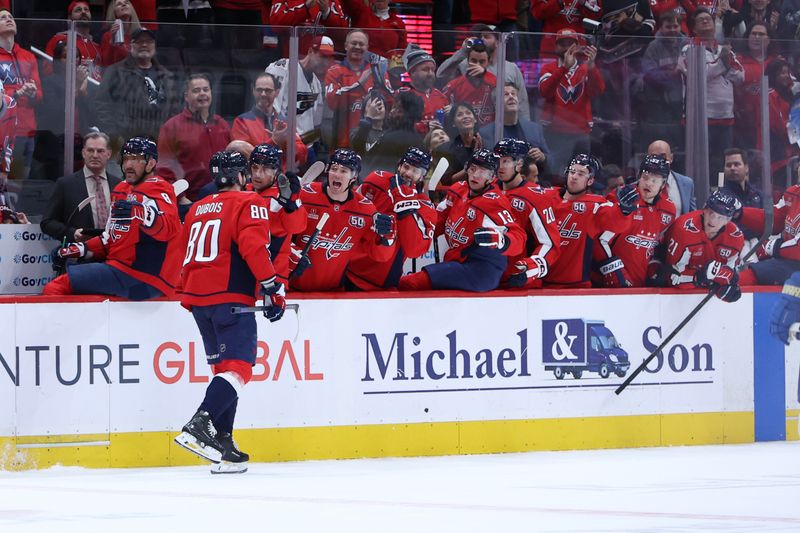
<point>734,488</point>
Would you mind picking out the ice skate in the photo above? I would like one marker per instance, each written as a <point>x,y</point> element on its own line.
<point>234,461</point>
<point>199,436</point>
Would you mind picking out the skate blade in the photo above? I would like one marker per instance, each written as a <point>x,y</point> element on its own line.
<point>226,467</point>
<point>190,443</point>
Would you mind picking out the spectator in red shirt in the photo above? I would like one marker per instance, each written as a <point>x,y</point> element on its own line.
<point>262,124</point>
<point>476,86</point>
<point>311,14</point>
<point>421,68</point>
<point>187,140</point>
<point>19,74</point>
<point>389,30</point>
<point>120,13</point>
<point>79,12</point>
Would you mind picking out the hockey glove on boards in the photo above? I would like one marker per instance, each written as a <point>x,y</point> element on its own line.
<point>72,250</point>
<point>529,268</point>
<point>491,238</point>
<point>614,273</point>
<point>715,274</point>
<point>131,209</point>
<point>274,299</point>
<point>771,248</point>
<point>288,186</point>
<point>628,197</point>
<point>786,311</point>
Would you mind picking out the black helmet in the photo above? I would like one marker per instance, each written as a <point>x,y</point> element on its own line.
<point>484,158</point>
<point>140,146</point>
<point>267,155</point>
<point>588,161</point>
<point>655,164</point>
<point>723,203</point>
<point>510,147</point>
<point>225,168</point>
<point>416,158</point>
<point>347,158</point>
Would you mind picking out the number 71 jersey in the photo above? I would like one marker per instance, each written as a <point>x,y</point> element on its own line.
<point>227,249</point>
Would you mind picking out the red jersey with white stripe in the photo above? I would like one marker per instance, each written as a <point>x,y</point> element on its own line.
<point>689,249</point>
<point>414,233</point>
<point>534,210</point>
<point>227,249</point>
<point>152,255</point>
<point>461,214</point>
<point>463,89</point>
<point>282,226</point>
<point>635,242</point>
<point>347,232</point>
<point>787,222</point>
<point>579,222</point>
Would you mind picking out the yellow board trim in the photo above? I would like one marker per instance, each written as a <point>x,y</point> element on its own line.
<point>157,448</point>
<point>793,424</point>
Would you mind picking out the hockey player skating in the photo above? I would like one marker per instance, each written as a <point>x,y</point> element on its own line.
<point>533,210</point>
<point>138,257</point>
<point>581,217</point>
<point>702,250</point>
<point>354,226</point>
<point>227,262</point>
<point>625,252</point>
<point>481,232</point>
<point>287,215</point>
<point>396,193</point>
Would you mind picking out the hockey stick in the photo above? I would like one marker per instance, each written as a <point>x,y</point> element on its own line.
<point>180,187</point>
<point>438,172</point>
<point>260,308</point>
<point>312,239</point>
<point>312,173</point>
<point>768,215</point>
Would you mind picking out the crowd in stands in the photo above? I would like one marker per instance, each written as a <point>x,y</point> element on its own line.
<point>616,93</point>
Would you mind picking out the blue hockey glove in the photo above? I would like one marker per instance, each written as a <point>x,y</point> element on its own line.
<point>787,311</point>
<point>491,238</point>
<point>274,299</point>
<point>131,209</point>
<point>628,197</point>
<point>288,186</point>
<point>728,293</point>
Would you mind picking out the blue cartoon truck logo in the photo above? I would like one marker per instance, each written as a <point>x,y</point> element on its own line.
<point>572,346</point>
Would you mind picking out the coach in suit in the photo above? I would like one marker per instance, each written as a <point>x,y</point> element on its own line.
<point>63,221</point>
<point>679,187</point>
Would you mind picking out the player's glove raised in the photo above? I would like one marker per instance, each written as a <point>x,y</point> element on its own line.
<point>72,250</point>
<point>614,273</point>
<point>131,209</point>
<point>298,262</point>
<point>384,226</point>
<point>787,311</point>
<point>715,274</point>
<point>491,238</point>
<point>274,299</point>
<point>288,186</point>
<point>628,197</point>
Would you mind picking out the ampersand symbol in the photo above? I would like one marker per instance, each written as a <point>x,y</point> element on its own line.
<point>562,348</point>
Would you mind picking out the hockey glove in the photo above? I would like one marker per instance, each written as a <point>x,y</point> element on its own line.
<point>274,299</point>
<point>715,274</point>
<point>534,267</point>
<point>131,209</point>
<point>728,293</point>
<point>491,238</point>
<point>628,197</point>
<point>72,250</point>
<point>614,273</point>
<point>406,207</point>
<point>658,274</point>
<point>288,186</point>
<point>384,226</point>
<point>298,262</point>
<point>786,311</point>
<point>771,248</point>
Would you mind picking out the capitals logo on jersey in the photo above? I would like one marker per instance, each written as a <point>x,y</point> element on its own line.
<point>569,232</point>
<point>690,227</point>
<point>333,245</point>
<point>453,233</point>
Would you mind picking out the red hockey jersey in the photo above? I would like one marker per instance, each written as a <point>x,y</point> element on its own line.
<point>282,226</point>
<point>295,13</point>
<point>688,248</point>
<point>17,67</point>
<point>636,241</point>
<point>579,223</point>
<point>787,222</point>
<point>479,96</point>
<point>152,255</point>
<point>344,96</point>
<point>559,14</point>
<point>414,233</point>
<point>348,230</point>
<point>227,249</point>
<point>384,35</point>
<point>568,96</point>
<point>460,215</point>
<point>534,210</point>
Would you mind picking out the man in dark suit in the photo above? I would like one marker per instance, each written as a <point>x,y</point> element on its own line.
<point>517,128</point>
<point>63,220</point>
<point>680,188</point>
